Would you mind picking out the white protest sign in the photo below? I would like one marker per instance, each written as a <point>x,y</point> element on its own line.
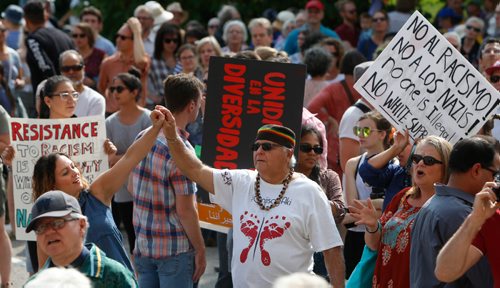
<point>82,139</point>
<point>422,83</point>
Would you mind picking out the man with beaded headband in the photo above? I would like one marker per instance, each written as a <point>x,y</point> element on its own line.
<point>279,217</point>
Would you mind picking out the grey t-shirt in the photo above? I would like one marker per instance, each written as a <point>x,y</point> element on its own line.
<point>123,136</point>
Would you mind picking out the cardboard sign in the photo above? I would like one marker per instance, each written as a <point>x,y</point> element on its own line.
<point>82,139</point>
<point>242,96</point>
<point>420,82</point>
<point>213,217</point>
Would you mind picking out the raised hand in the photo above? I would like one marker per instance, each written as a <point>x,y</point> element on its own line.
<point>169,128</point>
<point>157,118</point>
<point>135,26</point>
<point>485,204</point>
<point>401,139</point>
<point>8,154</point>
<point>366,214</point>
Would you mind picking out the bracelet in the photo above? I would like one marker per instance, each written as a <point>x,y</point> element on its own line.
<point>172,139</point>
<point>379,227</point>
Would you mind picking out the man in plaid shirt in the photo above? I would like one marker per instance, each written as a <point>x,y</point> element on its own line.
<point>169,249</point>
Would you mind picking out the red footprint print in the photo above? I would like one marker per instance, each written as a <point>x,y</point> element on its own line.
<point>275,228</point>
<point>249,227</point>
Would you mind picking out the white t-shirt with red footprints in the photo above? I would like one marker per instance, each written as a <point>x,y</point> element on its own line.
<point>281,241</point>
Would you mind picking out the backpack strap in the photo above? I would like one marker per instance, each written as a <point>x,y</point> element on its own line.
<point>362,107</point>
<point>347,91</point>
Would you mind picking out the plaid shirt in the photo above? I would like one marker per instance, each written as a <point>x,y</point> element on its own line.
<point>156,180</point>
<point>158,72</point>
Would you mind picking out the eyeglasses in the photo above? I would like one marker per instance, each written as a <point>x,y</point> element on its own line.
<point>378,19</point>
<point>428,160</point>
<point>76,35</point>
<point>266,146</point>
<point>365,131</point>
<point>306,148</point>
<point>170,40</point>
<point>57,224</point>
<point>495,173</point>
<point>494,78</point>
<point>123,37</point>
<point>67,95</point>
<point>78,67</point>
<point>187,57</point>
<point>118,89</point>
<point>473,28</point>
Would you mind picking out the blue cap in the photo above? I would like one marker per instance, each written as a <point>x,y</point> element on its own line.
<point>13,13</point>
<point>53,204</point>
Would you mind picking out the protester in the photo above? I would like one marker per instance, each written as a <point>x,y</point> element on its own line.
<point>333,101</point>
<point>205,49</point>
<point>44,45</point>
<point>493,76</point>
<point>180,16</point>
<point>84,38</point>
<point>489,54</point>
<point>318,62</point>
<point>235,36</point>
<point>58,171</point>
<point>5,244</point>
<point>132,118</point>
<point>470,160</point>
<point>277,227</point>
<point>261,32</point>
<point>374,133</point>
<point>212,26</point>
<point>315,12</point>
<point>380,26</point>
<point>12,19</point>
<point>188,59</point>
<point>470,45</point>
<point>89,101</point>
<point>336,49</point>
<point>60,229</point>
<point>169,232</point>
<point>57,277</point>
<point>390,234</point>
<point>130,52</point>
<point>93,17</point>
<point>144,14</point>
<point>310,149</point>
<point>164,61</point>
<point>348,30</point>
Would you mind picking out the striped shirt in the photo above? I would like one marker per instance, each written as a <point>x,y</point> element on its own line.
<point>156,180</point>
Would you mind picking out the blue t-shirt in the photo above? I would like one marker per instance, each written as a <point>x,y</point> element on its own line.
<point>102,228</point>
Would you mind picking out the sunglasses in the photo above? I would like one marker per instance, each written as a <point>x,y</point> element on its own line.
<point>380,19</point>
<point>306,148</point>
<point>473,28</point>
<point>496,174</point>
<point>57,224</point>
<point>78,67</point>
<point>428,160</point>
<point>67,95</point>
<point>365,131</point>
<point>266,146</point>
<point>494,78</point>
<point>76,35</point>
<point>123,37</point>
<point>170,40</point>
<point>118,89</point>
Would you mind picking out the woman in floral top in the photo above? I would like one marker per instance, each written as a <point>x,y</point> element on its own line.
<point>391,234</point>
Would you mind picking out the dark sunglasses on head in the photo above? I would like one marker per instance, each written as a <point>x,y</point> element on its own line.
<point>365,131</point>
<point>266,146</point>
<point>379,19</point>
<point>118,89</point>
<point>306,148</point>
<point>170,40</point>
<point>76,35</point>
<point>494,78</point>
<point>428,160</point>
<point>473,28</point>
<point>123,37</point>
<point>72,67</point>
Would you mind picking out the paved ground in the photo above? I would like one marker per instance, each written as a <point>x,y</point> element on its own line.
<point>19,274</point>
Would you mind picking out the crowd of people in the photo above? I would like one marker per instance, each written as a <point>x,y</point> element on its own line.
<point>361,206</point>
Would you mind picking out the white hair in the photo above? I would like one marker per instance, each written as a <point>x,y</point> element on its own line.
<point>56,277</point>
<point>301,280</point>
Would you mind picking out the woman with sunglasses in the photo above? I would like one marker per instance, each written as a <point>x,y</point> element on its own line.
<point>130,117</point>
<point>374,133</point>
<point>310,149</point>
<point>380,26</point>
<point>164,61</point>
<point>390,234</point>
<point>84,37</point>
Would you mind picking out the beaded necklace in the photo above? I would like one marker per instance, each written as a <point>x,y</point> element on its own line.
<point>277,201</point>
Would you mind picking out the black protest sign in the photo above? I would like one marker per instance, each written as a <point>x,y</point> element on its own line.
<point>420,82</point>
<point>242,96</point>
